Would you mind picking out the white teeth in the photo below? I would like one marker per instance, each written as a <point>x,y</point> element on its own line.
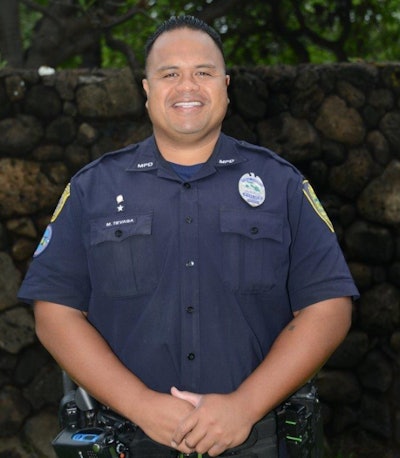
<point>187,104</point>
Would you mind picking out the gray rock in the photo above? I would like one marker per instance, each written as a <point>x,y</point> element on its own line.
<point>43,102</point>
<point>16,329</point>
<point>369,242</point>
<point>115,96</point>
<point>236,126</point>
<point>15,87</point>
<point>352,350</point>
<point>344,418</point>
<point>46,387</point>
<point>87,134</point>
<point>61,130</point>
<point>349,178</point>
<point>379,147</point>
<point>29,364</point>
<point>353,96</point>
<point>13,410</point>
<point>295,139</point>
<point>382,99</point>
<point>379,309</point>
<point>249,95</point>
<point>395,341</point>
<point>19,135</point>
<point>375,415</point>
<point>339,122</point>
<point>375,372</point>
<point>10,280</point>
<point>306,102</point>
<point>362,274</point>
<point>380,200</point>
<point>336,386</point>
<point>14,447</point>
<point>39,431</point>
<point>76,157</point>
<point>5,103</point>
<point>23,249</point>
<point>360,75</point>
<point>23,227</point>
<point>48,152</point>
<point>390,129</point>
<point>26,187</point>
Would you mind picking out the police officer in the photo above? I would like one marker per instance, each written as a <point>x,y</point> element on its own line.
<point>192,281</point>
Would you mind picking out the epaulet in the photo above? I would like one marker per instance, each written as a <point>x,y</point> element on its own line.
<point>107,156</point>
<point>264,151</point>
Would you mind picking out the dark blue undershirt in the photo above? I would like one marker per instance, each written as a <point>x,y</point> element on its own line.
<point>185,171</point>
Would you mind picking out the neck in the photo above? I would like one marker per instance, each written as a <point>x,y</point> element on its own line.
<point>187,152</point>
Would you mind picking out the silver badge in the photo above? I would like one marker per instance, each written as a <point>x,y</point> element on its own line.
<point>251,189</point>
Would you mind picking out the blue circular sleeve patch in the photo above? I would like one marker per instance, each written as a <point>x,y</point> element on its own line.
<point>44,242</point>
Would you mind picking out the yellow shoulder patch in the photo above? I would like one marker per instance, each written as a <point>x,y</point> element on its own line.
<point>61,202</point>
<point>316,204</point>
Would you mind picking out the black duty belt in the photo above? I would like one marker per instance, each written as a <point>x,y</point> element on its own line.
<point>261,443</point>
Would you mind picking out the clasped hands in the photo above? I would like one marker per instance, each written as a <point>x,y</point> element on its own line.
<point>217,422</point>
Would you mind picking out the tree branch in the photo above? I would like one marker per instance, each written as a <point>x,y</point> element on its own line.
<point>216,9</point>
<point>124,48</point>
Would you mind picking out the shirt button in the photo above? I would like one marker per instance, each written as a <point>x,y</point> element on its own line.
<point>191,356</point>
<point>190,309</point>
<point>187,185</point>
<point>190,264</point>
<point>254,230</point>
<point>118,233</point>
<point>189,219</point>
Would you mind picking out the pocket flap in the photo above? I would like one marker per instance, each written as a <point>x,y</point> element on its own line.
<point>251,224</point>
<point>117,230</point>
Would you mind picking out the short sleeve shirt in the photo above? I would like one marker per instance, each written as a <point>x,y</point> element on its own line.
<point>189,282</point>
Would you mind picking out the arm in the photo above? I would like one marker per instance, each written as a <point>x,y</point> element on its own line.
<point>224,421</point>
<point>86,357</point>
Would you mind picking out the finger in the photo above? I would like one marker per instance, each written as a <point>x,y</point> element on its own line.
<point>194,438</point>
<point>193,398</point>
<point>183,429</point>
<point>182,447</point>
<point>215,450</point>
<point>208,445</point>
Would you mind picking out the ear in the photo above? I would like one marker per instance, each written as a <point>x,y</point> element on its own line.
<point>145,85</point>
<point>227,80</point>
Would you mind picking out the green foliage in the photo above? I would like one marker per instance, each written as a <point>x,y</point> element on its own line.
<point>258,31</point>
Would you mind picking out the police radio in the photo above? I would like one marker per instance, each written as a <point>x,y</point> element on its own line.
<point>89,430</point>
<point>301,423</point>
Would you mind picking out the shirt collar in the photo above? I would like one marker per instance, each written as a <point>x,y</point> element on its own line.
<point>147,157</point>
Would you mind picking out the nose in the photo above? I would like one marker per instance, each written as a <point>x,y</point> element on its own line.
<point>187,83</point>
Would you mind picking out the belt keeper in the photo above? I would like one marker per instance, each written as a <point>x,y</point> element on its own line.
<point>192,455</point>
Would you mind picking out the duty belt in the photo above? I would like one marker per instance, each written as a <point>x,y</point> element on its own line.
<point>262,442</point>
<point>190,455</point>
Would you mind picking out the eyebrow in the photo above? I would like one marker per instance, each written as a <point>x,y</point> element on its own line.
<point>177,67</point>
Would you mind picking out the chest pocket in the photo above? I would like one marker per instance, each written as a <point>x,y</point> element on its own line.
<point>252,249</point>
<point>121,255</point>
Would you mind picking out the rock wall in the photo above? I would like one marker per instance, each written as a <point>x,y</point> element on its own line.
<point>340,124</point>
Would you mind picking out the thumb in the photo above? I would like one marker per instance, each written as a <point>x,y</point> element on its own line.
<point>192,398</point>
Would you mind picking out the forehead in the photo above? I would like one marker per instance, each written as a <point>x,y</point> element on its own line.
<point>184,45</point>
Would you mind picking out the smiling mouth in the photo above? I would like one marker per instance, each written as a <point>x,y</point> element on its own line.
<point>187,104</point>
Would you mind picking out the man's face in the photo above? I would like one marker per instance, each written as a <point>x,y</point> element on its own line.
<point>186,86</point>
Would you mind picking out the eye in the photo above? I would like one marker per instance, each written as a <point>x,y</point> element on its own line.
<point>170,75</point>
<point>203,74</point>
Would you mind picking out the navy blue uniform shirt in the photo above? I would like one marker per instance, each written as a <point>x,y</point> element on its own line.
<point>189,282</point>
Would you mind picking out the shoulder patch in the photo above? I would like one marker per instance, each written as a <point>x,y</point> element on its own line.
<point>44,242</point>
<point>61,202</point>
<point>316,204</point>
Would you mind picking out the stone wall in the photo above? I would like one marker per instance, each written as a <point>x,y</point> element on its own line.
<point>340,124</point>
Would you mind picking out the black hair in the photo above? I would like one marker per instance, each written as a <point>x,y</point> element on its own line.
<point>182,22</point>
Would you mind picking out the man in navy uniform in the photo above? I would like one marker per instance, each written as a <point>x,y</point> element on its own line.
<point>190,282</point>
